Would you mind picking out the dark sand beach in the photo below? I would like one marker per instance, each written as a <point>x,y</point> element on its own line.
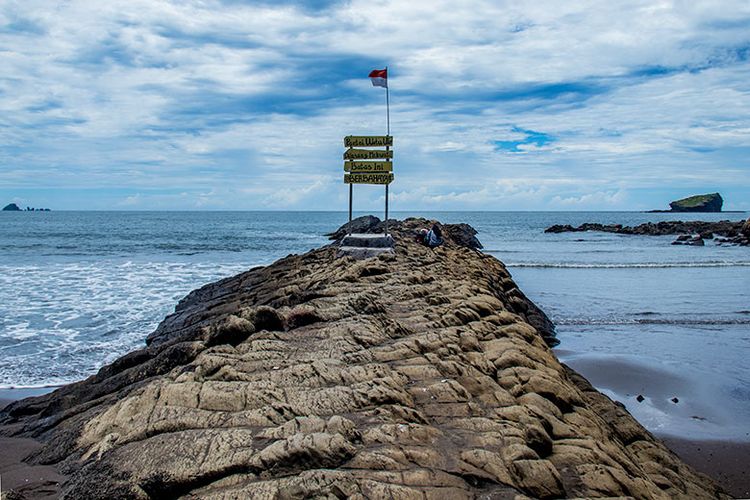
<point>725,461</point>
<point>33,481</point>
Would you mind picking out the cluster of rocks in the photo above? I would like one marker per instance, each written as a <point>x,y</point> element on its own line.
<point>691,232</point>
<point>12,207</point>
<point>424,373</point>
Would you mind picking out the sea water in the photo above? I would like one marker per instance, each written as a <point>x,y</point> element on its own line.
<point>634,314</point>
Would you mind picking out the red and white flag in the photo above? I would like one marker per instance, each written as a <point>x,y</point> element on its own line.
<point>379,77</point>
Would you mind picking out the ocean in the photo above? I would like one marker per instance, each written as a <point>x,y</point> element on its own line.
<point>636,315</point>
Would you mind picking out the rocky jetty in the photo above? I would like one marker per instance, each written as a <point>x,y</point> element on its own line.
<point>420,374</point>
<point>692,232</point>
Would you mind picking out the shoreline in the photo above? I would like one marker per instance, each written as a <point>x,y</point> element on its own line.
<point>722,458</point>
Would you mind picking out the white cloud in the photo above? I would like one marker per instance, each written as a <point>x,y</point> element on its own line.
<point>214,98</point>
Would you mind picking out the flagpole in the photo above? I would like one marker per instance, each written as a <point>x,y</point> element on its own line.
<point>388,133</point>
<point>387,105</point>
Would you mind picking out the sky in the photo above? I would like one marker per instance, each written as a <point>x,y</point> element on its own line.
<point>232,105</point>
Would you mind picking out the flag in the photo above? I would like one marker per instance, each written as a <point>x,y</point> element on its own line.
<point>379,77</point>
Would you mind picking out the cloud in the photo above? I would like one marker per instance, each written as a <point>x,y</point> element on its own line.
<point>192,104</point>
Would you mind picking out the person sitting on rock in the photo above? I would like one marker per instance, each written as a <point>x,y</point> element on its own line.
<point>434,237</point>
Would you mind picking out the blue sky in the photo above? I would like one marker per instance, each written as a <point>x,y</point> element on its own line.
<point>545,105</point>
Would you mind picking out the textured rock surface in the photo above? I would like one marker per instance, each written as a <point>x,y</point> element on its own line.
<point>699,203</point>
<point>414,375</point>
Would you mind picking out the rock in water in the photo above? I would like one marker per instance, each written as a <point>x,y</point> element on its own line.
<point>699,203</point>
<point>11,207</point>
<point>419,374</point>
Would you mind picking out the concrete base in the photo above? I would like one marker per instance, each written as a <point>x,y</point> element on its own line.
<point>365,246</point>
<point>368,240</point>
<point>360,253</point>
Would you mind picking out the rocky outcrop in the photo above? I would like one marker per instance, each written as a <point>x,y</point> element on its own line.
<point>419,374</point>
<point>730,232</point>
<point>462,234</point>
<point>699,203</point>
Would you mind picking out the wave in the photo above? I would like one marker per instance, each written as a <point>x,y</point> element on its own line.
<point>649,321</point>
<point>629,265</point>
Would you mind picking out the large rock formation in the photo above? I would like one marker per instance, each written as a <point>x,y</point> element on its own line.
<point>698,203</point>
<point>422,374</point>
<point>11,207</point>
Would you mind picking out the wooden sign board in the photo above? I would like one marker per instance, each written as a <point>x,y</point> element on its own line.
<point>384,178</point>
<point>368,166</point>
<point>367,154</point>
<point>368,141</point>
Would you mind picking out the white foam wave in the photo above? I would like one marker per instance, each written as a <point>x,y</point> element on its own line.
<point>61,322</point>
<point>642,321</point>
<point>627,265</point>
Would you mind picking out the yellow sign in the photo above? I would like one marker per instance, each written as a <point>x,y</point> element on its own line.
<point>368,166</point>
<point>384,178</point>
<point>367,154</point>
<point>368,141</point>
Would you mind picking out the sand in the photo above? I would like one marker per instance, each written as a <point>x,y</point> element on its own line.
<point>725,461</point>
<point>34,481</point>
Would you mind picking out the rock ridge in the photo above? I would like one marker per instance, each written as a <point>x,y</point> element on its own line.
<point>735,233</point>
<point>421,374</point>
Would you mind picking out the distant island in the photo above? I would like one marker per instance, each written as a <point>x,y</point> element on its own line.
<point>12,207</point>
<point>698,203</point>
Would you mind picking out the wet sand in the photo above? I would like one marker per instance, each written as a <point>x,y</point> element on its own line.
<point>33,481</point>
<point>726,462</point>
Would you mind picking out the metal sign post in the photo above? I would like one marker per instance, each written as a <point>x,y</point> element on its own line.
<point>359,170</point>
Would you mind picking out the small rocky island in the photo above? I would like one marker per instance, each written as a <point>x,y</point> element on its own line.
<point>423,373</point>
<point>699,203</point>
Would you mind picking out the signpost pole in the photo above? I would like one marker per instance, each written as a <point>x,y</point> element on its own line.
<point>351,190</point>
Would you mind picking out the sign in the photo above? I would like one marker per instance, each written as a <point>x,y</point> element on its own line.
<point>385,178</point>
<point>367,154</point>
<point>368,166</point>
<point>352,141</point>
